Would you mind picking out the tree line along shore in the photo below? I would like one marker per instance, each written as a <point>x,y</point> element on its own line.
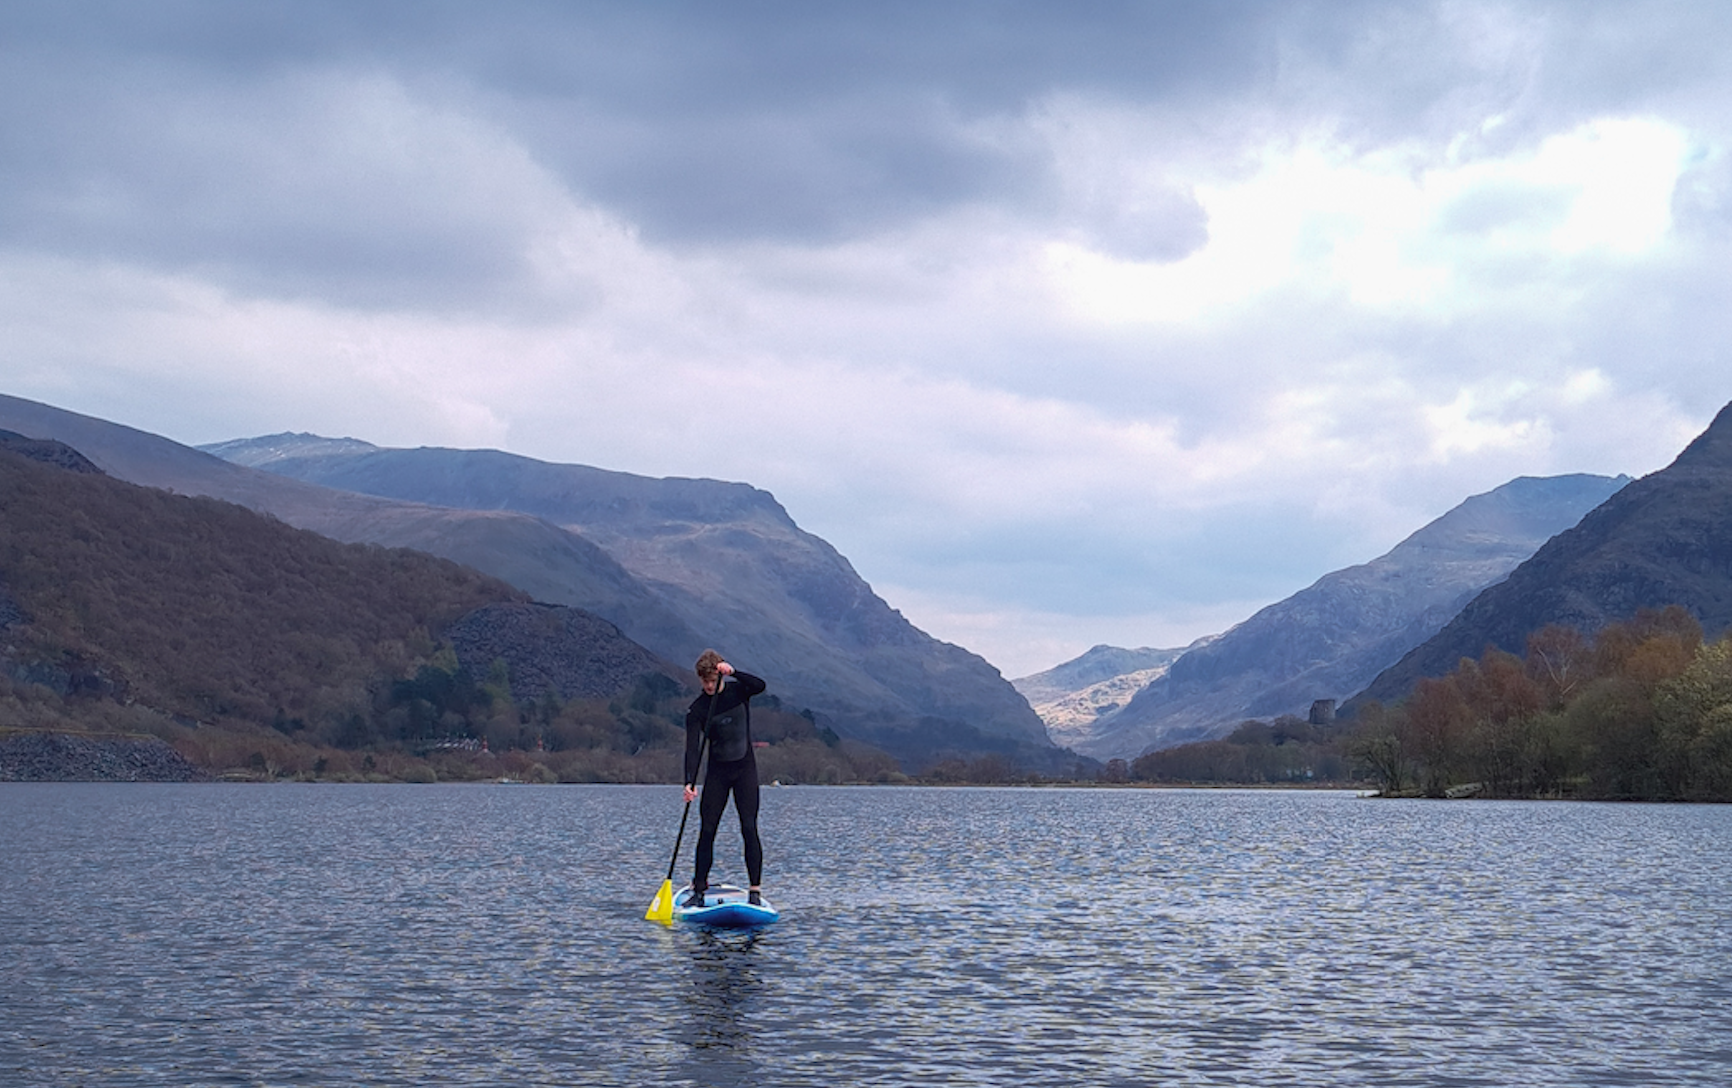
<point>1642,710</point>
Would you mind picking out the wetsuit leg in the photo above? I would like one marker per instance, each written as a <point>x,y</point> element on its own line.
<point>711,802</point>
<point>746,805</point>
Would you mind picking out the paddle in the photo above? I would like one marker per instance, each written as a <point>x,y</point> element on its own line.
<point>661,908</point>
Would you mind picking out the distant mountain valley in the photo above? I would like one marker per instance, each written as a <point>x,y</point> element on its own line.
<point>1072,697</point>
<point>1325,642</point>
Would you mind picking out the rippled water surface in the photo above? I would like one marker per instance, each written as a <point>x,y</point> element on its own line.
<point>360,935</point>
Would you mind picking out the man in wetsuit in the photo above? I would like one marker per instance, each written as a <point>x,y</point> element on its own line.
<point>724,713</point>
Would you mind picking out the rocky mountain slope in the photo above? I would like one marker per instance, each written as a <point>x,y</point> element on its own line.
<point>1329,640</point>
<point>728,562</point>
<point>1665,539</point>
<point>128,611</point>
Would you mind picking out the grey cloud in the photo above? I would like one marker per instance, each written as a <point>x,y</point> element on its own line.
<point>807,177</point>
<point>709,124</point>
<point>818,122</point>
<point>983,57</point>
<point>269,187</point>
<point>698,122</point>
<point>1538,67</point>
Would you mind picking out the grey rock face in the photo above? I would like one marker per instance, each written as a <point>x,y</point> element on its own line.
<point>1071,698</point>
<point>73,757</point>
<point>570,652</point>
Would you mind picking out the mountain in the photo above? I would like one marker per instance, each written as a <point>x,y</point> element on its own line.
<point>544,561</point>
<point>1665,539</point>
<point>729,563</point>
<point>786,601</point>
<point>257,648</point>
<point>1072,696</point>
<point>1329,640</point>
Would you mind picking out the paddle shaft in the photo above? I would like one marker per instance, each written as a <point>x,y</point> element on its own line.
<point>674,861</point>
<point>703,741</point>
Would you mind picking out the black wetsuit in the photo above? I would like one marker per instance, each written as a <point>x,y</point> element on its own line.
<point>733,769</point>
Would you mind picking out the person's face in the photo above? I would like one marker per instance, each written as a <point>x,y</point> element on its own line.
<point>710,682</point>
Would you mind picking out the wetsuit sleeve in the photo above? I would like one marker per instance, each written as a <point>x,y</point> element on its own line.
<point>694,739</point>
<point>749,685</point>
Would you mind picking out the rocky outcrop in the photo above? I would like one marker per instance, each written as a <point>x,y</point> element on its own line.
<point>47,451</point>
<point>547,648</point>
<point>91,757</point>
<point>69,676</point>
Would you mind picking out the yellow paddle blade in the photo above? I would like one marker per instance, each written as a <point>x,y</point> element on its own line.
<point>661,908</point>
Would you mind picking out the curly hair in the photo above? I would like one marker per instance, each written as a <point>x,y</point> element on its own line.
<point>706,666</point>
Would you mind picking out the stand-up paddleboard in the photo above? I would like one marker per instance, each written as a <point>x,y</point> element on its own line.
<point>724,905</point>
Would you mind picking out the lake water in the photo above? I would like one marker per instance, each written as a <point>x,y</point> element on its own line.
<point>493,935</point>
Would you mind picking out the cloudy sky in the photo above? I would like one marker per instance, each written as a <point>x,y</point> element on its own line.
<point>1066,323</point>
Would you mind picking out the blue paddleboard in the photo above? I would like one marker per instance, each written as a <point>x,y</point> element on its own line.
<point>724,905</point>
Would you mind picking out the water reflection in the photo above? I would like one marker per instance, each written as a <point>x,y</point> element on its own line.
<point>721,996</point>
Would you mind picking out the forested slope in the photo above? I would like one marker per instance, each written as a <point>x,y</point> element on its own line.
<point>206,610</point>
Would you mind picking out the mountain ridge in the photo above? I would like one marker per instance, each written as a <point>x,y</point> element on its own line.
<point>266,651</point>
<point>539,558</point>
